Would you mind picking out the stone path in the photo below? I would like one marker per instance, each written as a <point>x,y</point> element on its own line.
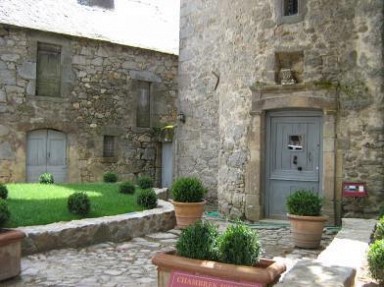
<point>129,263</point>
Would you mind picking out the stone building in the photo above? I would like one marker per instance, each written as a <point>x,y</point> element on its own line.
<point>85,88</point>
<point>280,95</point>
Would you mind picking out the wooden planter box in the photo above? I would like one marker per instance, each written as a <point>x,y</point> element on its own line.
<point>10,253</point>
<point>177,271</point>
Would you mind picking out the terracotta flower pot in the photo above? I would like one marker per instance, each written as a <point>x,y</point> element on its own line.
<point>175,270</point>
<point>307,230</point>
<point>188,212</point>
<point>10,253</point>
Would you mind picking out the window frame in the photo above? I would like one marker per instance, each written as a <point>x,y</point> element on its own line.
<point>139,85</point>
<point>281,18</point>
<point>109,146</point>
<point>48,48</point>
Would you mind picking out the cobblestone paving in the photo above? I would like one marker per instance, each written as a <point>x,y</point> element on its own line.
<point>129,263</point>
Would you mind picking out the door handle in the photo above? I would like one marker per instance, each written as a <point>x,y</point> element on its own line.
<point>299,168</point>
<point>294,159</point>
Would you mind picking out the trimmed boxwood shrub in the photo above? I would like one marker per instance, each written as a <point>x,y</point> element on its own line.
<point>379,230</point>
<point>239,245</point>
<point>127,187</point>
<point>304,202</point>
<point>147,198</point>
<point>3,191</point>
<point>376,260</point>
<point>46,178</point>
<point>188,189</point>
<point>145,182</point>
<point>5,214</point>
<point>79,203</point>
<point>110,177</point>
<point>198,241</point>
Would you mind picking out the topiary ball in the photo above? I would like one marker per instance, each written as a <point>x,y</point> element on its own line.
<point>376,260</point>
<point>239,245</point>
<point>127,187</point>
<point>145,182</point>
<point>79,203</point>
<point>3,191</point>
<point>198,241</point>
<point>188,189</point>
<point>46,178</point>
<point>110,177</point>
<point>304,202</point>
<point>5,214</point>
<point>147,198</point>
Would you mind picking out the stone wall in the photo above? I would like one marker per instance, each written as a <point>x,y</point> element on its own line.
<point>228,47</point>
<point>97,98</point>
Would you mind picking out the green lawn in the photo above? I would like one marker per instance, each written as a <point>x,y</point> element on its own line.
<point>36,204</point>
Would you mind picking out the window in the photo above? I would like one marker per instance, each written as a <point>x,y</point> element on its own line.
<point>109,146</point>
<point>143,108</point>
<point>48,70</point>
<point>290,11</point>
<point>291,7</point>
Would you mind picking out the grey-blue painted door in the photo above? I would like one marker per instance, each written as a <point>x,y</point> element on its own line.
<point>167,165</point>
<point>293,159</point>
<point>46,152</point>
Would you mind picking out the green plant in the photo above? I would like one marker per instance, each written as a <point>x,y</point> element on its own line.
<point>5,214</point>
<point>46,178</point>
<point>188,189</point>
<point>198,241</point>
<point>376,260</point>
<point>79,203</point>
<point>127,187</point>
<point>145,182</point>
<point>304,202</point>
<point>147,198</point>
<point>3,191</point>
<point>379,230</point>
<point>110,177</point>
<point>239,245</point>
<point>381,212</point>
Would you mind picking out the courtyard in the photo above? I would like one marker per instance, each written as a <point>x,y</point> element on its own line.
<point>128,263</point>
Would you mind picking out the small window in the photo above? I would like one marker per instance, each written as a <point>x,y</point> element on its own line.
<point>143,110</point>
<point>109,146</point>
<point>295,142</point>
<point>291,7</point>
<point>48,70</point>
<point>290,11</point>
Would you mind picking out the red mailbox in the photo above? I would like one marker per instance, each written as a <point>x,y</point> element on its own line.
<point>354,189</point>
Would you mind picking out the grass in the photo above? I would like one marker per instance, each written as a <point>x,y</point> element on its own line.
<point>37,204</point>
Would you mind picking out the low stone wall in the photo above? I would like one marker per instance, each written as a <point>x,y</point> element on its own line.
<point>78,233</point>
<point>338,263</point>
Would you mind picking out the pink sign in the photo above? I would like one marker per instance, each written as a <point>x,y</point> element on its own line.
<point>182,279</point>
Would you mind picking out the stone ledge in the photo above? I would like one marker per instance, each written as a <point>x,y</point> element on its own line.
<point>338,263</point>
<point>84,232</point>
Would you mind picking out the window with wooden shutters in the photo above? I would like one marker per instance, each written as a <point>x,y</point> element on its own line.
<point>143,108</point>
<point>109,146</point>
<point>48,70</point>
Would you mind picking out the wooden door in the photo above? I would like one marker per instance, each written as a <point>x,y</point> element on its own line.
<point>46,152</point>
<point>293,157</point>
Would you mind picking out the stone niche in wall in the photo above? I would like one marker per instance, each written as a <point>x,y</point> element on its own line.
<point>289,67</point>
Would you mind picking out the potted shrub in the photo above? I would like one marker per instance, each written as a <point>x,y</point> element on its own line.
<point>188,200</point>
<point>10,246</point>
<point>205,258</point>
<point>307,223</point>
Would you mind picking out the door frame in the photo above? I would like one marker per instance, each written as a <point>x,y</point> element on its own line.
<point>267,149</point>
